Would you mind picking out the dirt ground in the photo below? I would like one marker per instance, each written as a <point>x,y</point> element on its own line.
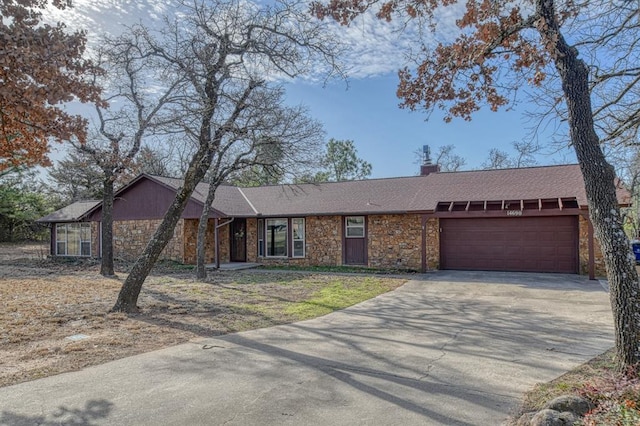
<point>55,314</point>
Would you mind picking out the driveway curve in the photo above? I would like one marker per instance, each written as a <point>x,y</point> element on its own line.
<point>447,348</point>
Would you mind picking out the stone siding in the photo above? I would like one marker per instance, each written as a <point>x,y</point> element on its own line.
<point>191,241</point>
<point>583,248</point>
<point>323,240</point>
<point>225,241</point>
<point>252,240</point>
<point>130,237</point>
<point>394,241</point>
<point>323,243</point>
<point>95,239</point>
<point>433,243</point>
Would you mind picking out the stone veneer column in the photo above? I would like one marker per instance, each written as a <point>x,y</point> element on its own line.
<point>583,250</point>
<point>432,248</point>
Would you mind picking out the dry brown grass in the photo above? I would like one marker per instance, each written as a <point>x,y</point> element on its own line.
<point>46,302</point>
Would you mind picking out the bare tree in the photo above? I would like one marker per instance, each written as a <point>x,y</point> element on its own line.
<point>525,153</point>
<point>133,109</point>
<point>229,53</point>
<point>497,159</point>
<point>154,162</point>
<point>448,160</point>
<point>267,126</point>
<point>524,156</point>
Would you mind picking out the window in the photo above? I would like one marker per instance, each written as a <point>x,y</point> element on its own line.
<point>73,239</point>
<point>260,238</point>
<point>354,227</point>
<point>297,229</point>
<point>276,237</point>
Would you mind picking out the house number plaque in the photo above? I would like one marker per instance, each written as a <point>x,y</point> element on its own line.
<point>514,212</point>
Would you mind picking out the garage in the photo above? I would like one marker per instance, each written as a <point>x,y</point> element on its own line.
<point>526,244</point>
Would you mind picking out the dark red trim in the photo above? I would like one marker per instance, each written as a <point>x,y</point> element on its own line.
<point>366,238</point>
<point>52,244</point>
<point>504,213</point>
<point>289,238</point>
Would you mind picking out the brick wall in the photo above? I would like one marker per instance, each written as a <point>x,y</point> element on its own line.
<point>583,248</point>
<point>130,237</point>
<point>394,241</point>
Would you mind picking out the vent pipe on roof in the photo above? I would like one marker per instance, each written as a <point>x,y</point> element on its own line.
<point>427,167</point>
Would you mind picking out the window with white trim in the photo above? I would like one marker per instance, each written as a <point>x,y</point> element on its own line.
<point>354,227</point>
<point>297,235</point>
<point>260,238</point>
<point>276,237</point>
<point>73,239</point>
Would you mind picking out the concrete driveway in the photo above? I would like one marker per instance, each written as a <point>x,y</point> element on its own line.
<point>450,348</point>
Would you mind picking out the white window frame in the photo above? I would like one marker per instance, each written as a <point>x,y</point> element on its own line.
<point>300,237</point>
<point>349,227</point>
<point>67,226</point>
<point>261,246</point>
<point>268,236</point>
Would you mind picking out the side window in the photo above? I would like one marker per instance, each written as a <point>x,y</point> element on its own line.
<point>276,237</point>
<point>61,239</point>
<point>260,237</point>
<point>73,239</point>
<point>354,226</point>
<point>297,228</point>
<point>85,239</point>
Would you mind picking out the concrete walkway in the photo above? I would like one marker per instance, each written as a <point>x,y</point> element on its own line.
<point>451,348</point>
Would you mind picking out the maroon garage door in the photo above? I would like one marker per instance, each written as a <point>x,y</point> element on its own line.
<point>528,244</point>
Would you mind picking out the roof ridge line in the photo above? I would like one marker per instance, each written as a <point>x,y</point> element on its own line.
<point>247,200</point>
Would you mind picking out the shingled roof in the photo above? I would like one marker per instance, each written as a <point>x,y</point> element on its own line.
<point>379,196</point>
<point>71,213</point>
<point>419,193</point>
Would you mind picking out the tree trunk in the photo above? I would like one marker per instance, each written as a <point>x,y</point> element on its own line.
<point>201,271</point>
<point>128,296</point>
<point>599,178</point>
<point>106,265</point>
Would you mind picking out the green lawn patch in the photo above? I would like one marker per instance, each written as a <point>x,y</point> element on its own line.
<point>338,295</point>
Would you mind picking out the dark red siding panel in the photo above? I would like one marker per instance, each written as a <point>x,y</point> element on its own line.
<point>144,200</point>
<point>355,251</point>
<point>528,244</point>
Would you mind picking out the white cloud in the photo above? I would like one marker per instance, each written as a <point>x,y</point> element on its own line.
<point>98,17</point>
<point>373,47</point>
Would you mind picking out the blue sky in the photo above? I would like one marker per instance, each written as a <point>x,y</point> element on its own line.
<point>387,136</point>
<point>367,111</point>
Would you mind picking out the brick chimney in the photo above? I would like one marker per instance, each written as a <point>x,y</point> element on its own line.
<point>427,167</point>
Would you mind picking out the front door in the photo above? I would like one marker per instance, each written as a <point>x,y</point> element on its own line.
<point>355,240</point>
<point>238,240</point>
